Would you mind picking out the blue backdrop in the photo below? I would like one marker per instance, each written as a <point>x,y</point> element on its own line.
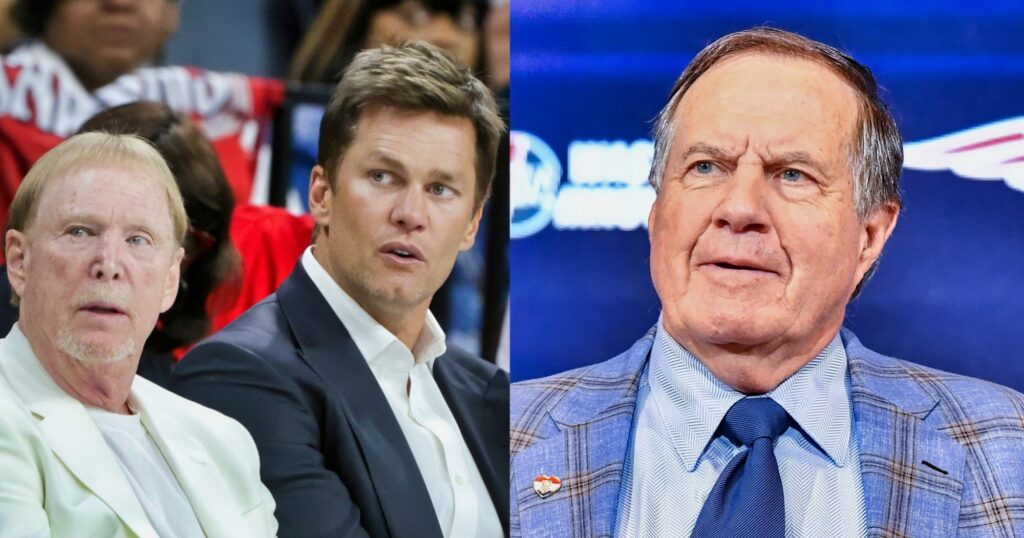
<point>588,77</point>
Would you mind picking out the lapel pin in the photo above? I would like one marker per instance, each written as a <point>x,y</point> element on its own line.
<point>546,486</point>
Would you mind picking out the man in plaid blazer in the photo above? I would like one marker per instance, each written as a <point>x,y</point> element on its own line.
<point>776,167</point>
<point>576,426</point>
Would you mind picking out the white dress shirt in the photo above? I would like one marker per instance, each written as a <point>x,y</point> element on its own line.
<point>457,491</point>
<point>676,454</point>
<point>155,486</point>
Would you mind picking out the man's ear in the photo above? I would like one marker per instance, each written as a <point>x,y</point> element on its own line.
<point>651,216</point>
<point>474,226</point>
<point>320,194</point>
<point>874,232</point>
<point>16,255</point>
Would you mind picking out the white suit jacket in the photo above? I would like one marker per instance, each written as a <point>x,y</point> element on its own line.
<point>59,478</point>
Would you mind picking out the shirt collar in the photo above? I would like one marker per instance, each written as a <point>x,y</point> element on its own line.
<point>371,337</point>
<point>692,402</point>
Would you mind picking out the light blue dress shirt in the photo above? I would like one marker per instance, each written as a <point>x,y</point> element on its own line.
<point>675,456</point>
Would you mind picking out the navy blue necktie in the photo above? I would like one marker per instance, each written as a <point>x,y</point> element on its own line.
<point>747,499</point>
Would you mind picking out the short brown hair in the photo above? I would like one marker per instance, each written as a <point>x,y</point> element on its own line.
<point>414,76</point>
<point>876,156</point>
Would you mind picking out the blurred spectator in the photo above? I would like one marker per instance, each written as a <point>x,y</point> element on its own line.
<point>99,40</point>
<point>83,56</point>
<point>497,44</point>
<point>344,27</point>
<point>270,240</point>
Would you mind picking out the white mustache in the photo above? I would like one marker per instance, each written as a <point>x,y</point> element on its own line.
<point>103,293</point>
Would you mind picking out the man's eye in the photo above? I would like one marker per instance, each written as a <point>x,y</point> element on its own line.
<point>380,177</point>
<point>77,231</point>
<point>792,176</point>
<point>439,189</point>
<point>138,240</point>
<point>704,167</point>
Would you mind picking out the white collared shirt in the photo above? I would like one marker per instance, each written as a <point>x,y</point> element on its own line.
<point>677,452</point>
<point>457,491</point>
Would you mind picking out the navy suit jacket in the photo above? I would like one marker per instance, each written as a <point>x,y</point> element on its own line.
<point>331,451</point>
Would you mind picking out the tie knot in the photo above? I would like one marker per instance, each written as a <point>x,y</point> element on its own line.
<point>753,418</point>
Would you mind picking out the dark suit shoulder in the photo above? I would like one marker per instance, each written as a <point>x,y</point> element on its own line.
<point>255,356</point>
<point>262,330</point>
<point>469,364</point>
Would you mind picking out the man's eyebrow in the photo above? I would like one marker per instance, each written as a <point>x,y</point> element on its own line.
<point>774,159</point>
<point>388,161</point>
<point>397,165</point>
<point>98,220</point>
<point>795,157</point>
<point>705,149</point>
<point>442,176</point>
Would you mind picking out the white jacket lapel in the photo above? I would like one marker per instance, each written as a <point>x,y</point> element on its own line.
<point>71,433</point>
<point>192,465</point>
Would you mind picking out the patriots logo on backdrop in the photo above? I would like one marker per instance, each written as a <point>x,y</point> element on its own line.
<point>993,151</point>
<point>535,176</point>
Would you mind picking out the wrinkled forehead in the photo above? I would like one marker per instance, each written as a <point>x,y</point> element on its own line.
<point>96,187</point>
<point>770,97</point>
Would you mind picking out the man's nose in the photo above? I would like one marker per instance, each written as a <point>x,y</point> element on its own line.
<point>743,206</point>
<point>106,262</point>
<point>409,211</point>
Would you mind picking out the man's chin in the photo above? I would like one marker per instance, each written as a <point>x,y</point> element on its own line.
<point>94,351</point>
<point>401,295</point>
<point>733,330</point>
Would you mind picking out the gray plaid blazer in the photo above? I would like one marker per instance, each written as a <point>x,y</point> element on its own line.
<point>941,454</point>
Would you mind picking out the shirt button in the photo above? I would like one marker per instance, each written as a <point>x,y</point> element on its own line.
<point>460,481</point>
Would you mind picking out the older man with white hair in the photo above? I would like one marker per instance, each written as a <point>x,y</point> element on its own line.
<point>748,410</point>
<point>93,248</point>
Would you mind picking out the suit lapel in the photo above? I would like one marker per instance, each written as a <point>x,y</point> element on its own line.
<point>71,434</point>
<point>583,439</point>
<point>912,472</point>
<point>191,464</point>
<point>75,440</point>
<point>481,411</point>
<point>329,350</point>
<point>588,458</point>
